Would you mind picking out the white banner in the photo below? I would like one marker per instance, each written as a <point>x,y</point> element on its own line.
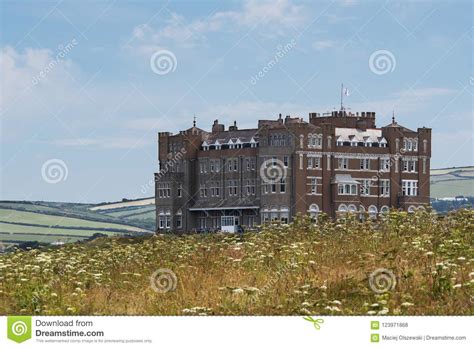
<point>236,332</point>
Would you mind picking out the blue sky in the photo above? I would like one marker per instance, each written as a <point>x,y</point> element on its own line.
<point>79,86</point>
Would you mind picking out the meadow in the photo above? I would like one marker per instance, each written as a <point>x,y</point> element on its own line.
<point>401,264</point>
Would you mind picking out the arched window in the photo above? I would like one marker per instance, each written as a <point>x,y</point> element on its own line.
<point>372,211</point>
<point>352,208</point>
<point>342,208</point>
<point>361,212</point>
<point>411,209</point>
<point>284,215</point>
<point>313,211</point>
<point>273,214</point>
<point>384,210</point>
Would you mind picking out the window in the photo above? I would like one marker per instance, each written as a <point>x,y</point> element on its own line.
<point>365,163</point>
<point>347,189</point>
<point>384,210</point>
<point>247,164</point>
<point>211,166</point>
<point>313,182</point>
<point>410,187</point>
<point>273,187</point>
<point>285,161</point>
<point>284,215</point>
<point>233,187</point>
<point>342,208</point>
<point>409,166</point>
<point>313,211</point>
<point>385,188</point>
<point>314,162</point>
<point>282,185</point>
<point>217,166</point>
<point>179,219</point>
<point>203,190</point>
<point>365,187</point>
<point>179,190</point>
<point>384,164</point>
<point>373,212</point>
<point>343,163</point>
<point>164,190</point>
<point>315,140</point>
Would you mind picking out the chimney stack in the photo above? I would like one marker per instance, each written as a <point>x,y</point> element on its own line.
<point>234,127</point>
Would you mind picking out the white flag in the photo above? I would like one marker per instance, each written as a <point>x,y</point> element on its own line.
<point>346,92</point>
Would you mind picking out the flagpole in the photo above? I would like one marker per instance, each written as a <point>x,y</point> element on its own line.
<point>342,92</point>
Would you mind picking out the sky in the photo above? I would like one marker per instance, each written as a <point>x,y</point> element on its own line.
<point>87,85</point>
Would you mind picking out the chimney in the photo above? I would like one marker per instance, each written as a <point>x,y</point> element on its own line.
<point>234,127</point>
<point>216,127</point>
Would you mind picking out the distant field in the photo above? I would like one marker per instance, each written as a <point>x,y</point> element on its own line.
<point>130,211</point>
<point>47,222</point>
<point>452,182</point>
<point>8,215</point>
<point>137,203</point>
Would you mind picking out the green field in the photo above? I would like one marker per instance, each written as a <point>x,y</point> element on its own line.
<point>452,182</point>
<point>46,222</point>
<point>8,215</point>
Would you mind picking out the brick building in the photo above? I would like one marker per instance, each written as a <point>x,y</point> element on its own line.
<point>335,163</point>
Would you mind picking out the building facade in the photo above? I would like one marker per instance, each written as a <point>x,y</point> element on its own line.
<point>335,163</point>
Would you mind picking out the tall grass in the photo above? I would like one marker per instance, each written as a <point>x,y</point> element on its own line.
<point>403,264</point>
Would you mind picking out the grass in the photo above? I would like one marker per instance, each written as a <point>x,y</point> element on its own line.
<point>298,269</point>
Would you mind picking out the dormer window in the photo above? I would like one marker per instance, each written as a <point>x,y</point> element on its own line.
<point>205,146</point>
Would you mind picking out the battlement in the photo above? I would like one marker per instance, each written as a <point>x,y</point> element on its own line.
<point>342,113</point>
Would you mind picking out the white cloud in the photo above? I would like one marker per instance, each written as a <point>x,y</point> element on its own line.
<point>33,77</point>
<point>105,143</point>
<point>275,17</point>
<point>324,45</point>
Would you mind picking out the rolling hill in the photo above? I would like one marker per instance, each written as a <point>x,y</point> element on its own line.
<point>58,223</point>
<point>452,182</point>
